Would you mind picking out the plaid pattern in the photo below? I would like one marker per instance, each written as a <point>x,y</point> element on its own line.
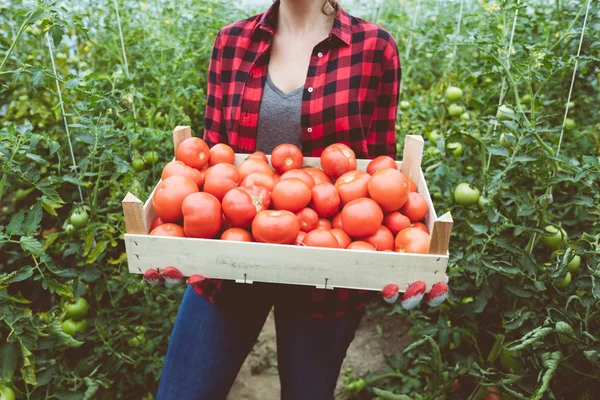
<point>350,96</point>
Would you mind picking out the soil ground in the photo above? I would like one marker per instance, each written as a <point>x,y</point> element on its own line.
<point>377,336</point>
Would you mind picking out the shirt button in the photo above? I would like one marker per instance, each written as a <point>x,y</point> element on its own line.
<point>310,89</point>
<point>320,54</point>
<point>309,130</point>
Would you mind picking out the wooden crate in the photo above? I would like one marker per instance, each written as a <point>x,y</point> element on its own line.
<point>287,264</point>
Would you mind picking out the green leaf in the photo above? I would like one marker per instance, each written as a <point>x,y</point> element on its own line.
<point>22,274</point>
<point>56,32</point>
<point>15,226</point>
<point>91,274</point>
<point>36,158</point>
<point>56,287</point>
<point>28,368</point>
<point>72,83</point>
<point>32,245</point>
<point>32,222</point>
<point>498,151</point>
<point>92,388</point>
<point>37,78</point>
<point>98,250</point>
<point>8,362</point>
<point>63,338</point>
<point>75,181</point>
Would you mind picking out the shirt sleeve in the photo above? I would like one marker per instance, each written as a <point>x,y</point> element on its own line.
<point>381,139</point>
<point>214,121</point>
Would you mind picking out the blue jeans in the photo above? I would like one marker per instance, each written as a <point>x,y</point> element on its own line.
<point>210,342</point>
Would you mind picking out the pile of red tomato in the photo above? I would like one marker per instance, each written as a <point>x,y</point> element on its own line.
<point>204,195</point>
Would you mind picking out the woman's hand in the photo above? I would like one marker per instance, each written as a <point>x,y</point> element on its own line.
<point>171,277</point>
<point>415,293</point>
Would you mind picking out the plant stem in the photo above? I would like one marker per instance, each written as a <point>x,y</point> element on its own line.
<point>14,43</point>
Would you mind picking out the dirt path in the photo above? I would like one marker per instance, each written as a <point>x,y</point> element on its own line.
<point>377,336</point>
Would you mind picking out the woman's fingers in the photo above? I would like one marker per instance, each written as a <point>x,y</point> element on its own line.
<point>413,295</point>
<point>171,276</point>
<point>195,279</point>
<point>152,277</point>
<point>390,293</point>
<point>437,295</point>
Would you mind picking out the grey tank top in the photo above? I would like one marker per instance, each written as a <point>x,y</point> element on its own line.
<point>279,118</point>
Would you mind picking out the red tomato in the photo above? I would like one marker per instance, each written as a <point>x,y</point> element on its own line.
<point>300,174</point>
<point>318,175</point>
<point>276,177</point>
<point>412,240</point>
<point>279,227</point>
<point>157,221</point>
<point>389,188</point>
<point>220,179</point>
<point>412,187</point>
<point>321,238</point>
<point>178,168</point>
<point>259,155</point>
<point>361,217</point>
<point>194,152</point>
<point>285,157</point>
<point>221,153</point>
<point>237,235</point>
<point>259,179</point>
<point>381,240</point>
<point>421,226</point>
<point>380,163</point>
<point>342,237</point>
<point>290,194</point>
<point>240,205</point>
<point>308,219</point>
<point>300,238</point>
<point>324,223</point>
<point>225,223</point>
<point>493,393</point>
<point>415,207</point>
<point>353,185</point>
<point>325,199</point>
<point>360,245</point>
<point>338,159</point>
<point>336,221</point>
<point>168,229</point>
<point>253,165</point>
<point>396,222</point>
<point>169,196</point>
<point>202,215</point>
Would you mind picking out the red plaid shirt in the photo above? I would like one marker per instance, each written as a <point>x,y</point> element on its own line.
<point>350,96</point>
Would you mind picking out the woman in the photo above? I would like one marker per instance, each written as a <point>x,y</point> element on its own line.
<point>307,73</point>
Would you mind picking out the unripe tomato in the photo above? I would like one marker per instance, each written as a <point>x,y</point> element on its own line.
<point>138,164</point>
<point>565,282</point>
<point>555,237</point>
<point>455,147</point>
<point>573,265</point>
<point>78,309</point>
<point>6,392</point>
<point>465,195</point>
<point>453,93</point>
<point>505,113</point>
<point>570,123</point>
<point>404,105</point>
<point>455,110</point>
<point>151,157</point>
<point>79,219</point>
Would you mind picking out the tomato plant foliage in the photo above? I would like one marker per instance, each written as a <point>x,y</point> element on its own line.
<point>508,294</point>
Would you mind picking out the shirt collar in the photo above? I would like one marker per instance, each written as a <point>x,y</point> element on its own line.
<point>341,25</point>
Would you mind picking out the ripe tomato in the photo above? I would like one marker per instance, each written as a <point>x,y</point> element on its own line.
<point>380,163</point>
<point>285,157</point>
<point>321,238</point>
<point>353,185</point>
<point>361,217</point>
<point>338,159</point>
<point>253,165</point>
<point>225,223</point>
<point>412,240</point>
<point>157,221</point>
<point>421,226</point>
<point>342,237</point>
<point>221,153</point>
<point>168,229</point>
<point>276,177</point>
<point>300,174</point>
<point>220,179</point>
<point>395,222</point>
<point>412,186</point>
<point>240,205</point>
<point>389,188</point>
<point>259,179</point>
<point>169,196</point>
<point>325,199</point>
<point>259,155</point>
<point>180,169</point>
<point>300,238</point>
<point>290,194</point>
<point>324,223</point>
<point>237,235</point>
<point>194,152</point>
<point>202,215</point>
<point>360,245</point>
<point>336,221</point>
<point>381,240</point>
<point>415,207</point>
<point>281,227</point>
<point>318,175</point>
<point>308,219</point>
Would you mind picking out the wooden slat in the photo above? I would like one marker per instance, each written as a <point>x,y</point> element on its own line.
<point>180,133</point>
<point>423,190</point>
<point>440,236</point>
<point>133,211</point>
<point>260,262</point>
<point>412,156</point>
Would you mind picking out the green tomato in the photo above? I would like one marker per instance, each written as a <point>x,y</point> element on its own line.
<point>69,228</point>
<point>570,123</point>
<point>526,98</point>
<point>6,392</point>
<point>574,264</point>
<point>81,326</point>
<point>434,135</point>
<point>404,105</point>
<point>69,327</point>
<point>465,195</point>
<point>505,140</point>
<point>151,157</point>
<point>565,282</point>
<point>505,113</point>
<point>21,194</point>
<point>140,329</point>
<point>510,361</point>
<point>137,340</point>
<point>571,104</point>
<point>77,310</point>
<point>79,219</point>
<point>455,147</point>
<point>555,237</point>
<point>138,164</point>
<point>455,110</point>
<point>453,93</point>
<point>465,116</point>
<point>483,201</point>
